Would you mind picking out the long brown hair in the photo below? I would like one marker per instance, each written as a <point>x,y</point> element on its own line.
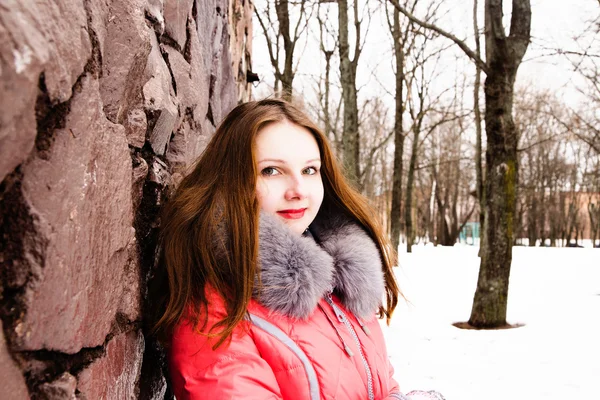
<point>220,193</point>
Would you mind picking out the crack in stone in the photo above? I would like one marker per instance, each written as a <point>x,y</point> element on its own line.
<point>165,56</point>
<point>166,39</point>
<point>195,11</point>
<point>94,65</point>
<point>44,366</point>
<point>154,371</point>
<point>209,113</point>
<point>21,255</point>
<point>41,366</point>
<point>146,229</point>
<point>49,118</point>
<point>187,48</point>
<point>147,214</point>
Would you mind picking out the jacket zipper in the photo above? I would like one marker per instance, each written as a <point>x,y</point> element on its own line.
<point>342,318</point>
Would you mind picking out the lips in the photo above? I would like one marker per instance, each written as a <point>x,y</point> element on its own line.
<point>292,213</point>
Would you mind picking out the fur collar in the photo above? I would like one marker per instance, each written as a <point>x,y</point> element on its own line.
<point>298,271</point>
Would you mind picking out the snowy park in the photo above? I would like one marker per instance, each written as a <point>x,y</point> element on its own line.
<point>554,293</point>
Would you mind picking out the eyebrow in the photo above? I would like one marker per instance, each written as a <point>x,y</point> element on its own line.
<point>276,160</point>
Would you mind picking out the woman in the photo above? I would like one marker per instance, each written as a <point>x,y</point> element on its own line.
<point>276,269</point>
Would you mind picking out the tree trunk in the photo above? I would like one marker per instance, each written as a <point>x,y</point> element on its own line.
<point>489,305</point>
<point>287,76</point>
<point>396,212</point>
<point>477,112</point>
<point>504,54</point>
<point>350,136</point>
<point>455,226</point>
<point>443,231</point>
<point>289,36</point>
<point>431,214</point>
<point>532,218</point>
<point>409,189</point>
<point>594,213</point>
<point>327,117</point>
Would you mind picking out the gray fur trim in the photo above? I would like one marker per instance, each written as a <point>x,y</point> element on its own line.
<point>358,276</point>
<point>296,272</point>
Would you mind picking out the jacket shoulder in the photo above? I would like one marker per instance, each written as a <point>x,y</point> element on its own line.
<point>234,369</point>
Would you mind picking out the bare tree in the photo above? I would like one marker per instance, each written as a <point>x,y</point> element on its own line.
<point>348,67</point>
<point>417,117</point>
<point>557,181</point>
<point>449,202</point>
<point>279,33</point>
<point>591,183</point>
<point>399,50</point>
<point>477,114</point>
<point>328,113</point>
<point>503,57</point>
<point>543,165</point>
<point>594,212</point>
<point>586,62</point>
<point>375,134</point>
<point>403,38</point>
<point>421,107</point>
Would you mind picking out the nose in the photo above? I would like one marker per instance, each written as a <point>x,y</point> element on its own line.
<point>296,189</point>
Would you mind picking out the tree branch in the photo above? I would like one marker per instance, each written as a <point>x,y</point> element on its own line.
<point>274,60</point>
<point>460,43</point>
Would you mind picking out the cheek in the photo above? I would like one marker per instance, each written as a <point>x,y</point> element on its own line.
<point>266,196</point>
<point>317,192</point>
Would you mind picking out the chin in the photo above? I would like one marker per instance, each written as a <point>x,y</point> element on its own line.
<point>298,229</point>
<point>296,226</point>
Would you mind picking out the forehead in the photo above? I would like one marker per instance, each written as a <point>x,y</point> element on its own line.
<point>286,141</point>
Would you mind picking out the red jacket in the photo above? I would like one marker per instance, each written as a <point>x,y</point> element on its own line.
<point>299,341</point>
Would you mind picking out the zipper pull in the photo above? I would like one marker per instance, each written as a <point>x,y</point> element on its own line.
<point>363,326</point>
<point>328,298</point>
<point>346,347</point>
<point>348,351</point>
<point>336,310</point>
<point>338,313</point>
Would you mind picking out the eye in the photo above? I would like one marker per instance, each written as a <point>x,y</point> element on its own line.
<point>310,171</point>
<point>269,171</point>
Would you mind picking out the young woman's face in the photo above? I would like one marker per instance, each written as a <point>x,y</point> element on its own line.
<point>289,183</point>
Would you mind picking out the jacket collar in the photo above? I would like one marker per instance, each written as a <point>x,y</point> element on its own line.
<point>298,271</point>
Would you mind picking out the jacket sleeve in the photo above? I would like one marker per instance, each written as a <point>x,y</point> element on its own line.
<point>233,371</point>
<point>394,387</point>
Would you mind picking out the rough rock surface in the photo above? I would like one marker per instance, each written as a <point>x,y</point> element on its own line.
<point>115,375</point>
<point>11,379</point>
<point>160,101</point>
<point>199,72</point>
<point>124,51</point>
<point>45,41</point>
<point>63,387</point>
<point>80,194</point>
<point>135,128</point>
<point>176,14</point>
<point>104,105</point>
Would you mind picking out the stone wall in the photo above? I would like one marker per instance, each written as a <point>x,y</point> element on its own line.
<point>103,106</point>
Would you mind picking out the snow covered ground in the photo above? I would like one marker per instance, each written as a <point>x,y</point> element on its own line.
<point>555,292</point>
